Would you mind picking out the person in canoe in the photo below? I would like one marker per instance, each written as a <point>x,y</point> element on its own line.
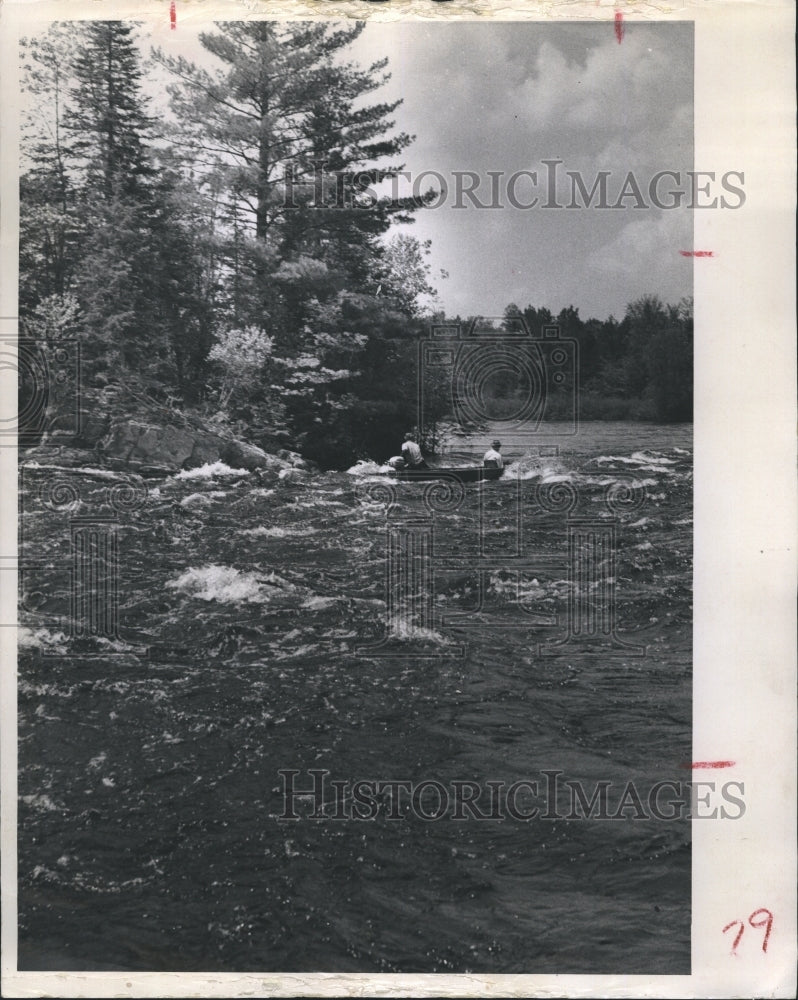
<point>492,458</point>
<point>411,453</point>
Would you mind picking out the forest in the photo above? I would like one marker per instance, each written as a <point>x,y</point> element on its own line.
<point>231,260</point>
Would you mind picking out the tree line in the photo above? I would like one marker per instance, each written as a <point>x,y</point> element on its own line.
<point>636,368</point>
<point>234,261</point>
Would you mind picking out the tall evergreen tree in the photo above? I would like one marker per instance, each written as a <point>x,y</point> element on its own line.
<point>139,278</point>
<point>98,221</point>
<point>284,124</point>
<point>109,127</point>
<point>49,221</point>
<point>261,220</point>
<point>109,139</point>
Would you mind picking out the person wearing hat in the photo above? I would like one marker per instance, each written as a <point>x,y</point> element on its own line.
<point>492,458</point>
<point>411,453</point>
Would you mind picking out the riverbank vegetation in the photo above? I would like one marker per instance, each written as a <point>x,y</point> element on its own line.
<point>230,259</point>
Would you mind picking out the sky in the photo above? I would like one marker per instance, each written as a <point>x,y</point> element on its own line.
<point>504,97</point>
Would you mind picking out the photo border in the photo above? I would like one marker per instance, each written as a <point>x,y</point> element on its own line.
<point>744,687</point>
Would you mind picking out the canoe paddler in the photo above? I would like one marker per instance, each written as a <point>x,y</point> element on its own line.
<point>411,453</point>
<point>492,458</point>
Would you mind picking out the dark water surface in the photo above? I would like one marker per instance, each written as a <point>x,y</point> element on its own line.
<point>149,829</point>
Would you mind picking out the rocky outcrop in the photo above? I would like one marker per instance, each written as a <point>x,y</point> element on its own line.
<point>142,445</point>
<point>239,455</point>
<point>164,446</point>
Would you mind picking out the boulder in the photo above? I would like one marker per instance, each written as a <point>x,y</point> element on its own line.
<point>166,446</point>
<point>238,455</point>
<point>147,445</point>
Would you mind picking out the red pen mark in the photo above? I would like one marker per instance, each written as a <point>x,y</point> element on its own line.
<point>707,765</point>
<point>738,935</point>
<point>172,15</point>
<point>767,923</point>
<point>697,253</point>
<point>619,28</point>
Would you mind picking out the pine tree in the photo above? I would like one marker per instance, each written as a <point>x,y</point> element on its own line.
<point>99,223</point>
<point>140,276</point>
<point>49,221</point>
<point>283,124</point>
<point>109,135</point>
<point>109,127</point>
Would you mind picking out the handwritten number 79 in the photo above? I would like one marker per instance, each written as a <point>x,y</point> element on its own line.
<point>759,918</point>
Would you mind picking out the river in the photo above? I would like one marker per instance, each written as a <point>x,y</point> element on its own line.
<point>251,640</point>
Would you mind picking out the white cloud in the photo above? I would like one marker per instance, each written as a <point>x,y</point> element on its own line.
<point>507,96</point>
<point>504,96</point>
<point>656,241</point>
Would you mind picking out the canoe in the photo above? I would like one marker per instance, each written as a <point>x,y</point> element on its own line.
<point>470,475</point>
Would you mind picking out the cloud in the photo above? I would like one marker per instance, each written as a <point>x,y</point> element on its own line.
<point>656,241</point>
<point>506,96</point>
